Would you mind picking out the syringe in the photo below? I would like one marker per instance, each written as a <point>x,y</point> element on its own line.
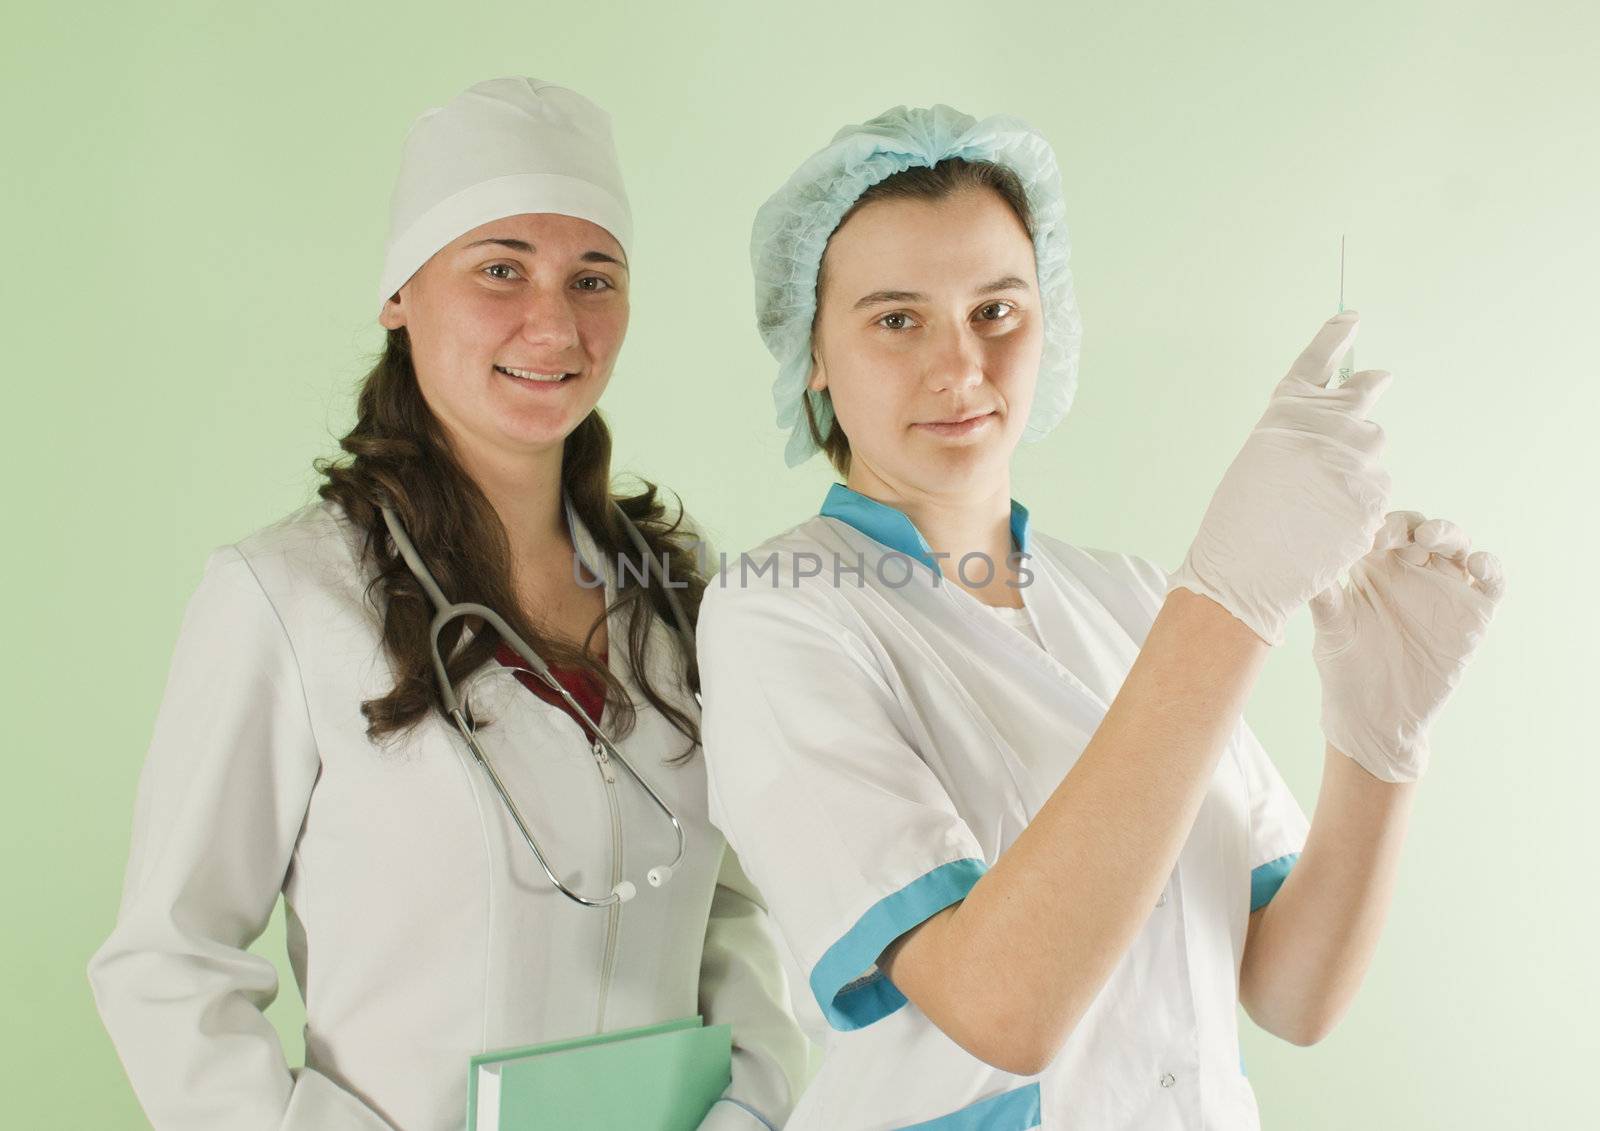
<point>1348,365</point>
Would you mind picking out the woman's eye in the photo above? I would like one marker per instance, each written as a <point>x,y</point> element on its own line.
<point>895,321</point>
<point>600,283</point>
<point>1003,308</point>
<point>501,267</point>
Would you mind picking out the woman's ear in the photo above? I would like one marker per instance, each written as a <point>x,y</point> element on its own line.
<point>392,316</point>
<point>817,381</point>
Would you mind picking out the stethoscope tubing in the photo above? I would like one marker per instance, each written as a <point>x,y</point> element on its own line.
<point>446,611</point>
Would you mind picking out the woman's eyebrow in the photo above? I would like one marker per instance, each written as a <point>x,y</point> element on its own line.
<point>602,257</point>
<point>525,246</point>
<point>1006,283</point>
<point>1009,283</point>
<point>514,245</point>
<point>877,297</point>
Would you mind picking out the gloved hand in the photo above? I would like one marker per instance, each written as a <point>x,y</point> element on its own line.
<point>1393,642</point>
<point>1302,499</point>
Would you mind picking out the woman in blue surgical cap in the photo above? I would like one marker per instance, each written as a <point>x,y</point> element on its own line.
<point>307,746</point>
<point>995,786</point>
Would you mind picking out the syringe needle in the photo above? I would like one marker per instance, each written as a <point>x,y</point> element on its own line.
<point>1348,365</point>
<point>1341,274</point>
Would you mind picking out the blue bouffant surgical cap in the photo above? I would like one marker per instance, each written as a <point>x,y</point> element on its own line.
<point>793,227</point>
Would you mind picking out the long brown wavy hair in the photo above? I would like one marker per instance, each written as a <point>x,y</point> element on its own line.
<point>398,454</point>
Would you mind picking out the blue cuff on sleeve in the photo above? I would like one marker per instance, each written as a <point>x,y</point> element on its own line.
<point>1267,879</point>
<point>849,1001</point>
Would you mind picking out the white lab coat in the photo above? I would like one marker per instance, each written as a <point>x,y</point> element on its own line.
<point>873,747</point>
<point>420,929</point>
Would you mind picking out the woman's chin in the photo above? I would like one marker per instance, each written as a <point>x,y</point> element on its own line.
<point>970,459</point>
<point>546,428</point>
<point>950,469</point>
<point>539,422</point>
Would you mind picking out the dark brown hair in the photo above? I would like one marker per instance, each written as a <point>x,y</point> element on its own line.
<point>920,182</point>
<point>398,454</point>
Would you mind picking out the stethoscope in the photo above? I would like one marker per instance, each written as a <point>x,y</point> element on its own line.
<point>447,612</point>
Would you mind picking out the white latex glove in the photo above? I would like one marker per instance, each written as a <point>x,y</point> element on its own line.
<point>1302,499</point>
<point>1393,642</point>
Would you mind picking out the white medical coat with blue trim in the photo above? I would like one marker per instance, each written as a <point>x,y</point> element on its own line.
<point>420,928</point>
<point>873,747</point>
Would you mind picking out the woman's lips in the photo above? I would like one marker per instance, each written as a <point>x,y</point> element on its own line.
<point>536,384</point>
<point>960,428</point>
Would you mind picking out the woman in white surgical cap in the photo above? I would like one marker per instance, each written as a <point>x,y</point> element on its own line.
<point>330,698</point>
<point>995,786</point>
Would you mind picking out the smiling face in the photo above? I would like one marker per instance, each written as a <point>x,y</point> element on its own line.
<point>928,337</point>
<point>514,329</point>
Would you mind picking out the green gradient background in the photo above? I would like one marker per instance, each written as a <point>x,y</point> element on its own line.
<point>195,203</point>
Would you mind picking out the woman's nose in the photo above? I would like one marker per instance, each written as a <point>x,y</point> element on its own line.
<point>956,362</point>
<point>549,321</point>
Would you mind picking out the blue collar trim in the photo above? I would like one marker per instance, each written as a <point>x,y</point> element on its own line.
<point>890,527</point>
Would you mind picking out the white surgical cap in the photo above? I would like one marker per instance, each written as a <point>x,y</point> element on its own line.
<point>501,148</point>
<point>792,230</point>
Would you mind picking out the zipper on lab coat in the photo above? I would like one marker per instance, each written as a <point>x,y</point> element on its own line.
<point>614,912</point>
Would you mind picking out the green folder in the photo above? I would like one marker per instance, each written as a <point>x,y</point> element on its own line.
<point>655,1078</point>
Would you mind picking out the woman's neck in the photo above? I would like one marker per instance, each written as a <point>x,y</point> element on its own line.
<point>526,495</point>
<point>955,525</point>
<point>525,492</point>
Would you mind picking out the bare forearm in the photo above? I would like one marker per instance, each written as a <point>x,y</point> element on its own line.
<point>1037,937</point>
<point>1309,949</point>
